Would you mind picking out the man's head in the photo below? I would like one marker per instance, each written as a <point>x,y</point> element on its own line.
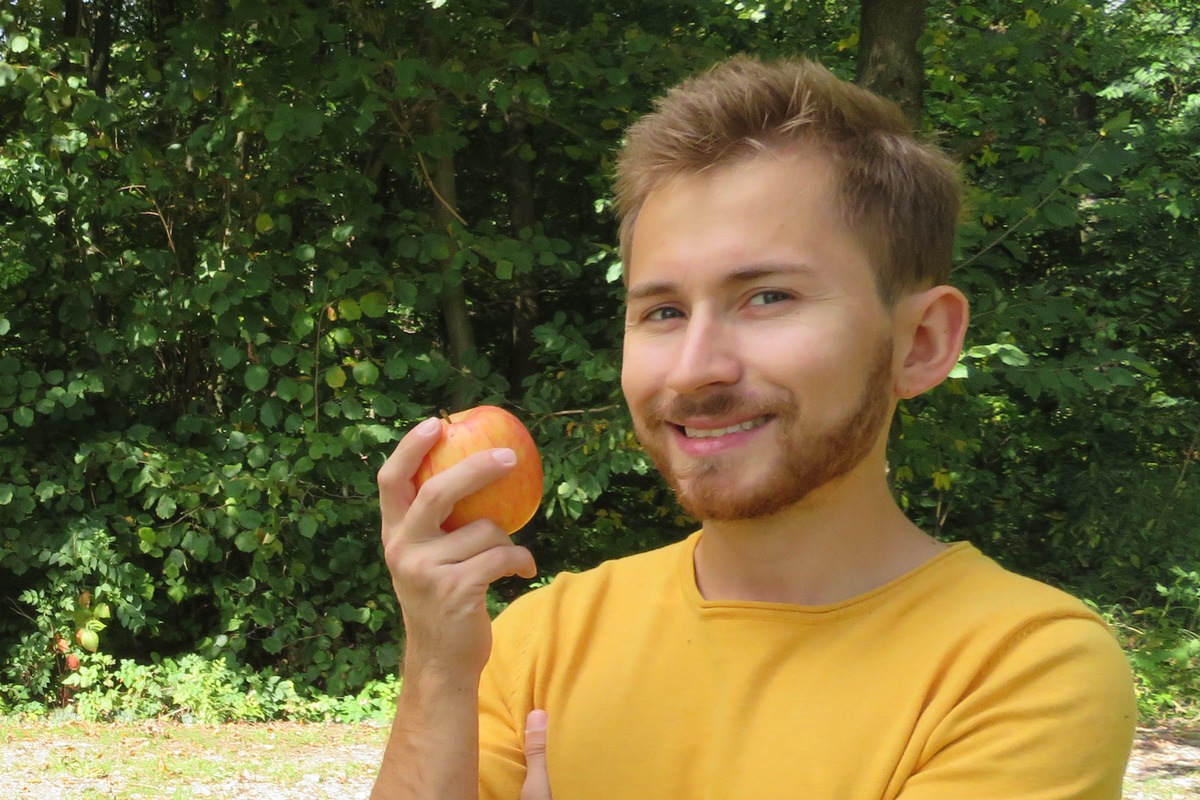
<point>901,198</point>
<point>774,315</point>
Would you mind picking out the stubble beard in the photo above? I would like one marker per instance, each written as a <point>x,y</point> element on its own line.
<point>709,489</point>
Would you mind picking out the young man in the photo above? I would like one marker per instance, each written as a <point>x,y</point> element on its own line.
<point>787,245</point>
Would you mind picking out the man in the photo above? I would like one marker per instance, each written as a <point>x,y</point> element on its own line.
<point>787,246</point>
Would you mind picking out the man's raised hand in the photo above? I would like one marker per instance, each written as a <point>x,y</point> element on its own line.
<point>441,579</point>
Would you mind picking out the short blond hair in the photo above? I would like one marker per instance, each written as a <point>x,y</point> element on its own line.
<point>900,196</point>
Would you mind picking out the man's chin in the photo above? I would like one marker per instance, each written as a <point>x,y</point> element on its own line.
<point>714,500</point>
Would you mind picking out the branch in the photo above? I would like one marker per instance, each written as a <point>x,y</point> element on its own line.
<point>436,193</point>
<point>580,411</point>
<point>1033,211</point>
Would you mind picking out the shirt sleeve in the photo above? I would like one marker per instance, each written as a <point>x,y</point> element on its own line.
<point>1051,717</point>
<point>503,703</point>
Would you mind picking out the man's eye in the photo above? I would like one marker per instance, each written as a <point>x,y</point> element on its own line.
<point>663,313</point>
<point>768,297</point>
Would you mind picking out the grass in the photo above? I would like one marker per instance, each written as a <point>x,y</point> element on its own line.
<point>161,760</point>
<point>170,761</point>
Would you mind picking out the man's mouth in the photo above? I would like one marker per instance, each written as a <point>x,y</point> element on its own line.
<point>713,433</point>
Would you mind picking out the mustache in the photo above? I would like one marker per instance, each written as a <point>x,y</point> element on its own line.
<point>722,402</point>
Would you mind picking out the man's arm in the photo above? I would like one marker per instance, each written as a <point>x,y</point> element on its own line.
<point>1052,719</point>
<point>441,581</point>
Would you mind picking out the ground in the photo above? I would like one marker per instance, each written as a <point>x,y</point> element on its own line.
<point>293,761</point>
<point>1165,765</point>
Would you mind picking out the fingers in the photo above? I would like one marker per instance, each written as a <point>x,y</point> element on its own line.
<point>396,490</point>
<point>452,567</point>
<point>537,775</point>
<point>438,495</point>
<point>424,513</point>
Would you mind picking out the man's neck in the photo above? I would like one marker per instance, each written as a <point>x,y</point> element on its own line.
<point>842,541</point>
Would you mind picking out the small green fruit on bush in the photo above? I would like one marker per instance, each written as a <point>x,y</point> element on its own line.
<point>88,639</point>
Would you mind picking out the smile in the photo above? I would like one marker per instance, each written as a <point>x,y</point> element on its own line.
<point>713,433</point>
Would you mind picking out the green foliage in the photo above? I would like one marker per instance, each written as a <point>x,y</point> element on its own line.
<point>1164,646</point>
<point>195,690</point>
<point>230,252</point>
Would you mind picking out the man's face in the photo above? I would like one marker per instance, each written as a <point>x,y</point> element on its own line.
<point>758,357</point>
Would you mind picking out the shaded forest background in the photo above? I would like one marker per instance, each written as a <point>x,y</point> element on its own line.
<point>244,245</point>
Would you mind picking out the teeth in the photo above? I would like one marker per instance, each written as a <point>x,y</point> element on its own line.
<point>712,433</point>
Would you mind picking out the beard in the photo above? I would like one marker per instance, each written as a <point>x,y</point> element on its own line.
<point>708,487</point>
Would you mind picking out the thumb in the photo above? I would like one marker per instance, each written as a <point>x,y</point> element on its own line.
<point>537,778</point>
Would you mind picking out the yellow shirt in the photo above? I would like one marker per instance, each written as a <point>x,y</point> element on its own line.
<point>957,681</point>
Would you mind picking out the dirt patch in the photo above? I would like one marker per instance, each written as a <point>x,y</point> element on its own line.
<point>1165,765</point>
<point>290,761</point>
<point>165,761</point>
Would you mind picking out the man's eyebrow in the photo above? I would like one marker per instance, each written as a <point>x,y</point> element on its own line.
<point>754,272</point>
<point>650,289</point>
<point>746,274</point>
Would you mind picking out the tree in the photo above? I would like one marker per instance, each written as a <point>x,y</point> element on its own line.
<point>248,245</point>
<point>889,60</point>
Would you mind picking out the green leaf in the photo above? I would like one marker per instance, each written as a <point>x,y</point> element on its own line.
<point>335,377</point>
<point>366,373</point>
<point>270,413</point>
<point>282,354</point>
<point>165,507</point>
<point>258,455</point>
<point>524,56</point>
<point>1059,215</point>
<point>263,223</point>
<point>1117,123</point>
<point>349,310</point>
<point>305,252</point>
<point>286,389</point>
<point>230,356</point>
<point>18,44</point>
<point>373,305</point>
<point>1012,355</point>
<point>257,377</point>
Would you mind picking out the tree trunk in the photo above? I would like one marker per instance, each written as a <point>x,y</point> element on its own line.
<point>889,62</point>
<point>105,26</point>
<point>521,214</point>
<point>459,332</point>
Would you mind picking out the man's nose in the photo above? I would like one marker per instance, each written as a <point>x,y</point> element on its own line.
<point>707,356</point>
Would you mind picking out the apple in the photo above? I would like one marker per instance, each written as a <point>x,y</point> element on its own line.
<point>512,500</point>
<point>72,662</point>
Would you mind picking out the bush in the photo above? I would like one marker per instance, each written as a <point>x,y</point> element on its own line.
<point>194,690</point>
<point>1163,642</point>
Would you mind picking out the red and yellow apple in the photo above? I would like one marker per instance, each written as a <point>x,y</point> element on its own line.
<point>512,500</point>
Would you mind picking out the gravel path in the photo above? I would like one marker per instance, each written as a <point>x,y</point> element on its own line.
<point>1165,766</point>
<point>173,762</point>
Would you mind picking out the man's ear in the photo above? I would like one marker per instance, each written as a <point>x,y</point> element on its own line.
<point>930,327</point>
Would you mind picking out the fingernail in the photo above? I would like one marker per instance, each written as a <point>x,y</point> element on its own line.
<point>536,721</point>
<point>505,456</point>
<point>428,426</point>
